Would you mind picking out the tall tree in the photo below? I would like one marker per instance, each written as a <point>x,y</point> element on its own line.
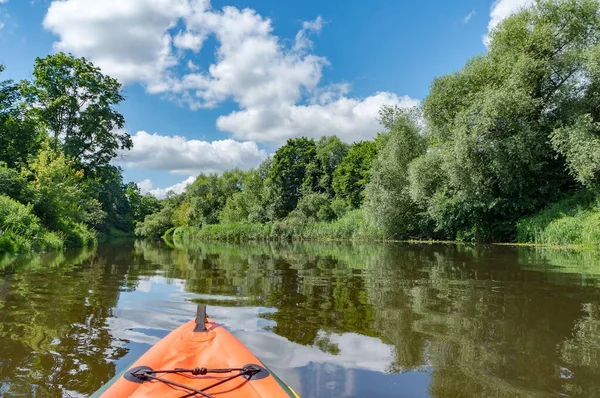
<point>353,173</point>
<point>77,104</point>
<point>329,153</point>
<point>388,204</point>
<point>288,170</point>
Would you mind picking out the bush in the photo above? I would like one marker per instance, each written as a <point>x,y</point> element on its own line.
<point>21,231</point>
<point>155,225</point>
<point>13,184</point>
<point>78,235</point>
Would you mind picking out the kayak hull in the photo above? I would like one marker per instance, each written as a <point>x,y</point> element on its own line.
<point>188,348</point>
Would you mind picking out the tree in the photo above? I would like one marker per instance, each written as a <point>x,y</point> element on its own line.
<point>330,152</point>
<point>353,172</point>
<point>106,185</point>
<point>207,196</point>
<point>141,205</point>
<point>77,104</point>
<point>288,171</point>
<point>387,202</point>
<point>59,198</point>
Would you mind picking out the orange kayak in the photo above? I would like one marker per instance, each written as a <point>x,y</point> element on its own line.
<point>198,359</point>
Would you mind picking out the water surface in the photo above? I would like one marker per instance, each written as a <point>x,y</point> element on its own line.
<point>332,320</point>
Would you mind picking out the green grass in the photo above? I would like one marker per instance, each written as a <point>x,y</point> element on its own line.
<point>21,230</point>
<point>574,221</point>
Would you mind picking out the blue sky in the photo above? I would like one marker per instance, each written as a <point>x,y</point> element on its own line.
<point>216,85</point>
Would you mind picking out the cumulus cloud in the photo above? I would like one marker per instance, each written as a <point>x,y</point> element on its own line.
<point>157,43</point>
<point>129,39</point>
<point>190,157</point>
<point>146,187</point>
<point>351,119</point>
<point>501,9</point>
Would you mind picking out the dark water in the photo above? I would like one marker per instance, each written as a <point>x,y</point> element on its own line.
<point>333,320</point>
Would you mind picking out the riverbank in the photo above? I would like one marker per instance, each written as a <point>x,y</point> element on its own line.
<point>572,223</point>
<point>352,226</point>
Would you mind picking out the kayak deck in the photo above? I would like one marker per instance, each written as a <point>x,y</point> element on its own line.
<point>198,359</point>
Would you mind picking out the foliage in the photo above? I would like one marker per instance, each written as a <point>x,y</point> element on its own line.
<point>19,137</point>
<point>289,170</point>
<point>21,230</point>
<point>314,207</point>
<point>571,221</point>
<point>579,143</point>
<point>77,104</point>
<point>208,195</point>
<point>141,205</point>
<point>353,172</point>
<point>58,135</point>
<point>387,202</point>
<point>14,184</point>
<point>352,226</point>
<point>492,158</point>
<point>330,152</point>
<point>58,195</point>
<point>155,225</point>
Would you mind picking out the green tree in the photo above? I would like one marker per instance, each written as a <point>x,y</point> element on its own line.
<point>207,196</point>
<point>330,152</point>
<point>106,185</point>
<point>288,171</point>
<point>59,198</point>
<point>141,205</point>
<point>77,104</point>
<point>353,172</point>
<point>387,201</point>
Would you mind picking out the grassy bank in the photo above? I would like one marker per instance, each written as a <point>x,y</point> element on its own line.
<point>573,221</point>
<point>22,231</point>
<point>352,226</point>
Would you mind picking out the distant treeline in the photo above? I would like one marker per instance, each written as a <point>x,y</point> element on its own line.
<point>506,149</point>
<point>58,134</point>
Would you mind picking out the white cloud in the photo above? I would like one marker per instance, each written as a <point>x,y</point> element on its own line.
<point>271,79</point>
<point>146,187</point>
<point>188,41</point>
<point>351,119</point>
<point>468,17</point>
<point>190,157</point>
<point>129,39</point>
<point>3,1</point>
<point>501,9</point>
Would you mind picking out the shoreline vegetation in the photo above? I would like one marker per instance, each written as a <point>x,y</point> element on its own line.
<point>507,150</point>
<point>59,133</point>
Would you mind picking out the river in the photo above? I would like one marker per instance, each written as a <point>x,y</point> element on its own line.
<point>332,320</point>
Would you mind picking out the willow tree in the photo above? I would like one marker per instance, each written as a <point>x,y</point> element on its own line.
<point>387,200</point>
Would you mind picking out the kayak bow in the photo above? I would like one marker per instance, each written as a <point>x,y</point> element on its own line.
<point>198,359</point>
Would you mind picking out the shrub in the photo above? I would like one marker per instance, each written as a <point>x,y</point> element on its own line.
<point>20,229</point>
